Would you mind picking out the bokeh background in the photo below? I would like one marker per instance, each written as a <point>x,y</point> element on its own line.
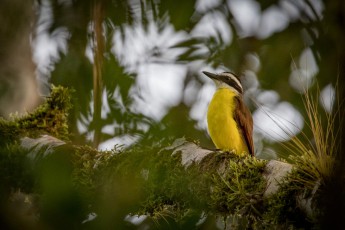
<point>153,55</point>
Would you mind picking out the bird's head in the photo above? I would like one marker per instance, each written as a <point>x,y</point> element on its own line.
<point>226,80</point>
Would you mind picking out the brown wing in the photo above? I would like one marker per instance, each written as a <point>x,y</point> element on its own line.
<point>244,120</point>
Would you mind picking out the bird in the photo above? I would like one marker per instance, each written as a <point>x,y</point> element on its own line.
<point>229,121</point>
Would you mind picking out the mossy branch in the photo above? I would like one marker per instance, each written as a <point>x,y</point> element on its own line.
<point>172,184</point>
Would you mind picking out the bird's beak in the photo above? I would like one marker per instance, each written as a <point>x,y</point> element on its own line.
<point>211,75</point>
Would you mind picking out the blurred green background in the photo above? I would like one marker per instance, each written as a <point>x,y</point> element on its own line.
<point>149,60</point>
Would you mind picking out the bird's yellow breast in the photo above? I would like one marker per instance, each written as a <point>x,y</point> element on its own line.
<point>222,127</point>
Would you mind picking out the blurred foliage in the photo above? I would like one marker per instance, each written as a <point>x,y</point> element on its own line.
<point>276,54</point>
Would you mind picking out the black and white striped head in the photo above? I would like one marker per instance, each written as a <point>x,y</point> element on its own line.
<point>226,80</point>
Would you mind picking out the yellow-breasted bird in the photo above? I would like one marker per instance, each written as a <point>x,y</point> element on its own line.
<point>230,123</point>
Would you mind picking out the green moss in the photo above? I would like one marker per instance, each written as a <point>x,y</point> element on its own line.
<point>15,169</point>
<point>154,181</point>
<point>304,182</point>
<point>9,132</point>
<point>239,189</point>
<point>162,188</point>
<point>48,118</point>
<point>89,165</point>
<point>282,207</point>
